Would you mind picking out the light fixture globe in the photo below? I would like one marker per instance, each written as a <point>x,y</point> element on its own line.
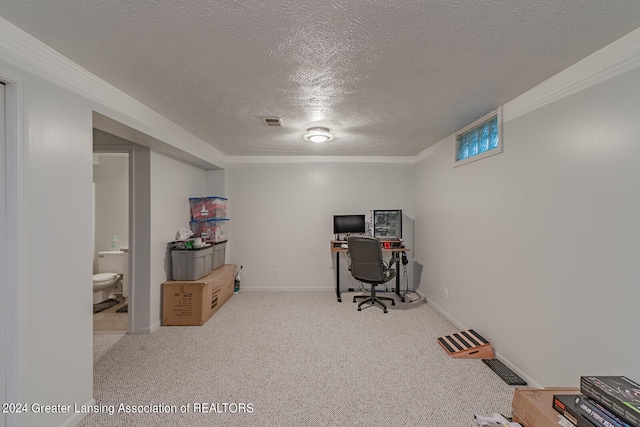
<point>318,134</point>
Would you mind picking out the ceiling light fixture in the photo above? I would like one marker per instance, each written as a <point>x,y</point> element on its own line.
<point>318,135</point>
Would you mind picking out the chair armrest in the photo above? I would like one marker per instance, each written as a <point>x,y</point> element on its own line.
<point>391,262</point>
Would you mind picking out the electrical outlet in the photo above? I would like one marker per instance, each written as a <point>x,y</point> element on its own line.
<point>446,293</point>
<point>276,272</point>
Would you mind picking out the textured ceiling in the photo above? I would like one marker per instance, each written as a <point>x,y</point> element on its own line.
<point>389,77</point>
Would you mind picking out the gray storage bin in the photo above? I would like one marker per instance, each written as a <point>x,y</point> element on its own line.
<point>219,250</point>
<point>191,264</point>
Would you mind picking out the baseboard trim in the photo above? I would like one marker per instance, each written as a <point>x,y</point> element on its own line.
<point>254,289</point>
<point>77,416</point>
<point>446,315</point>
<point>151,329</point>
<point>530,381</point>
<point>155,327</point>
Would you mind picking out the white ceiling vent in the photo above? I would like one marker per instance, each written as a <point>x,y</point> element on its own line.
<point>272,121</point>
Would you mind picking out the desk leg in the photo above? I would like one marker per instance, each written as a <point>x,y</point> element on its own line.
<point>395,254</point>
<point>338,276</point>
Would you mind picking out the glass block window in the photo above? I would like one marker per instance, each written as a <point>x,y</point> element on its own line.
<point>479,140</point>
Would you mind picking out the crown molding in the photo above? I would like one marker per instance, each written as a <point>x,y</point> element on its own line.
<point>28,53</point>
<point>273,160</point>
<point>614,59</point>
<point>439,146</point>
<point>618,57</point>
<point>45,62</point>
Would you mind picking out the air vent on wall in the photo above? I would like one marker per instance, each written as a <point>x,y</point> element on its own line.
<point>272,121</point>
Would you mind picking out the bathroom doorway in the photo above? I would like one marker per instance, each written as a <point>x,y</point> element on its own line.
<point>111,240</point>
<point>109,137</point>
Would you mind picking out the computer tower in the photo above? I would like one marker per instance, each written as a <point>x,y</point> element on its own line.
<point>387,224</point>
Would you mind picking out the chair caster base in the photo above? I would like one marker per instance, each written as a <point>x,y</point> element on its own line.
<point>372,300</point>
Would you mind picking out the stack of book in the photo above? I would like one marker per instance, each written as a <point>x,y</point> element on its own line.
<point>608,401</point>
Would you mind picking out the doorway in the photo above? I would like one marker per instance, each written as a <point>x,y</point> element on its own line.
<point>111,239</point>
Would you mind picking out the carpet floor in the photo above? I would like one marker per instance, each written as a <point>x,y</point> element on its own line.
<point>294,359</point>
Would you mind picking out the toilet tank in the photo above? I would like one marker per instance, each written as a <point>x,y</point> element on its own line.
<point>111,262</point>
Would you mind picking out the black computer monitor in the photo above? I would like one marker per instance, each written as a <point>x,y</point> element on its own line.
<point>348,224</point>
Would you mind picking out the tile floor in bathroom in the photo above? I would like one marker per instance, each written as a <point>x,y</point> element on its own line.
<point>109,320</point>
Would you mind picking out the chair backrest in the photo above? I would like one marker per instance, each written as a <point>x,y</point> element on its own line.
<point>367,264</point>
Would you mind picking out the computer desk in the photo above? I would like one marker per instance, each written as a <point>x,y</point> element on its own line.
<point>336,246</point>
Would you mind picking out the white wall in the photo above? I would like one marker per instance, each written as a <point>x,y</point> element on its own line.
<point>282,217</point>
<point>539,244</point>
<point>216,183</point>
<point>172,184</point>
<point>111,179</point>
<point>52,293</point>
<point>60,250</point>
<point>160,206</point>
<point>558,206</point>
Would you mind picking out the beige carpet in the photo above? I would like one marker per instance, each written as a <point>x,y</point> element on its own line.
<point>295,359</point>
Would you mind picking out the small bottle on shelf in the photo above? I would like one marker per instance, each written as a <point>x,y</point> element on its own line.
<point>115,246</point>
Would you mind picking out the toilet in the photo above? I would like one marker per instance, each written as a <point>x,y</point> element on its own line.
<point>110,270</point>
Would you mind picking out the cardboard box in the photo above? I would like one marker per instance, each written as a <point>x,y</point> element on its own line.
<point>193,302</point>
<point>533,407</point>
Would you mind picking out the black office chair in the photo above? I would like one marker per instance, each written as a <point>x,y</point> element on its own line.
<point>368,266</point>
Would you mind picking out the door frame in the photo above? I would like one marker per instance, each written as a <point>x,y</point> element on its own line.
<point>14,304</point>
